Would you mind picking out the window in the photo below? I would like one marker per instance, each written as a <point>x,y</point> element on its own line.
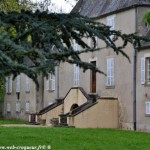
<point>8,107</point>
<point>27,107</point>
<point>89,42</point>
<point>147,108</point>
<point>110,72</point>
<point>52,82</point>
<point>76,46</point>
<point>142,70</point>
<point>145,70</point>
<point>111,23</point>
<point>27,84</point>
<point>76,75</point>
<point>17,107</point>
<point>47,86</point>
<point>93,78</point>
<point>148,70</point>
<point>18,84</point>
<point>9,84</point>
<point>96,40</point>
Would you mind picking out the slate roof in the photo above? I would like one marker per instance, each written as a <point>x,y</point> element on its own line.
<point>98,8</point>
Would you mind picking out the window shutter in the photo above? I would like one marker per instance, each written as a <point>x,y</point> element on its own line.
<point>18,84</point>
<point>142,70</point>
<point>89,42</point>
<point>17,107</point>
<point>76,75</point>
<point>110,72</point>
<point>8,107</point>
<point>27,84</point>
<point>10,84</point>
<point>76,46</point>
<point>6,84</point>
<point>111,23</point>
<point>53,82</point>
<point>27,107</point>
<point>47,84</point>
<point>147,107</point>
<point>96,40</point>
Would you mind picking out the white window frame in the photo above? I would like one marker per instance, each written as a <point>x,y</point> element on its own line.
<point>27,84</point>
<point>89,41</point>
<point>17,106</point>
<point>110,72</point>
<point>147,105</point>
<point>9,85</point>
<point>76,46</point>
<point>18,84</point>
<point>8,107</point>
<point>147,70</point>
<point>52,82</point>
<point>96,40</point>
<point>111,23</point>
<point>143,70</point>
<point>47,83</point>
<point>27,107</point>
<point>76,75</point>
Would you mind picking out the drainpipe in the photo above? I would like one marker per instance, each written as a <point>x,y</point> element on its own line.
<point>134,86</point>
<point>57,81</point>
<point>134,74</point>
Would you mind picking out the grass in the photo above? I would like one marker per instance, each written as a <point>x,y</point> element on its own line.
<point>75,139</point>
<point>3,121</point>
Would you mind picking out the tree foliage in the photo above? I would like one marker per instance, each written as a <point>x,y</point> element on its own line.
<point>34,43</point>
<point>16,5</point>
<point>147,17</point>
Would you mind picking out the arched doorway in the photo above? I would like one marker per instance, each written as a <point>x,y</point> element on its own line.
<point>74,106</point>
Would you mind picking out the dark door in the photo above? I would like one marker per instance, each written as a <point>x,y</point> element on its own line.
<point>93,79</point>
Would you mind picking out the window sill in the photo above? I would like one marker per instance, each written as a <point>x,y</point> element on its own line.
<point>17,111</point>
<point>8,93</point>
<point>147,115</point>
<point>146,84</point>
<point>110,87</point>
<point>50,91</point>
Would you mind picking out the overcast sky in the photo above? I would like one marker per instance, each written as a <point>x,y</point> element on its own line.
<point>61,4</point>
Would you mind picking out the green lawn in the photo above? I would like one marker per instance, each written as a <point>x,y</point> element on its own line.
<point>4,121</point>
<point>74,139</point>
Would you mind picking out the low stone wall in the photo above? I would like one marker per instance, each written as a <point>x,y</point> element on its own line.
<point>104,114</point>
<point>54,113</point>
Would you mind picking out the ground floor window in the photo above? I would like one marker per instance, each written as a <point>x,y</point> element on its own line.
<point>147,108</point>
<point>145,70</point>
<point>93,78</point>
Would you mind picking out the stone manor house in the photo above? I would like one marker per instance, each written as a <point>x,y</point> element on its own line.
<point>90,99</point>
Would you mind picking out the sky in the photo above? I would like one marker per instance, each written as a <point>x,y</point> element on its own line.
<point>60,5</point>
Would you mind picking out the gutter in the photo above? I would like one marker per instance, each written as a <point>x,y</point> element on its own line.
<point>119,10</point>
<point>58,95</point>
